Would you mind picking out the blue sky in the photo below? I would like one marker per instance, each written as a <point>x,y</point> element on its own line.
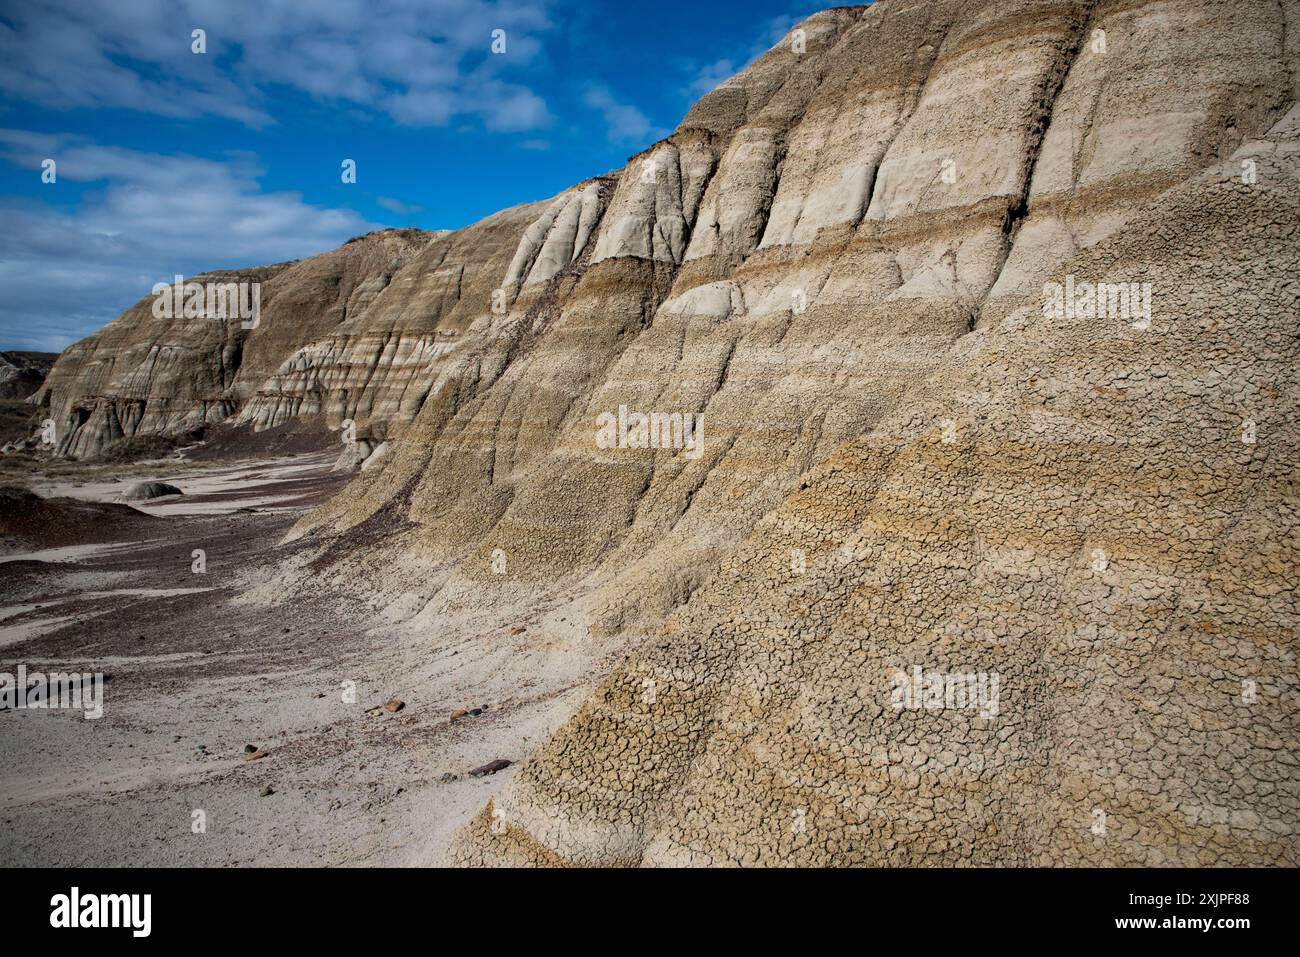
<point>174,161</point>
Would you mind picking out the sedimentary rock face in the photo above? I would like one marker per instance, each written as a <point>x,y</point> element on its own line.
<point>147,373</point>
<point>1024,612</point>
<point>1042,613</point>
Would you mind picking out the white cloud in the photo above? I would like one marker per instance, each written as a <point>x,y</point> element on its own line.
<point>423,62</point>
<point>708,76</point>
<point>705,77</point>
<point>66,273</point>
<point>514,109</point>
<point>624,123</point>
<point>397,206</point>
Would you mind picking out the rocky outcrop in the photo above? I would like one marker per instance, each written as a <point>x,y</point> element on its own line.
<point>864,264</point>
<point>143,374</point>
<point>378,368</point>
<point>21,373</point>
<point>807,247</point>
<point>143,491</point>
<point>1043,613</point>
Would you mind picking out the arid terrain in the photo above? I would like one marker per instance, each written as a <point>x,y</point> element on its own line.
<point>198,665</point>
<point>896,464</point>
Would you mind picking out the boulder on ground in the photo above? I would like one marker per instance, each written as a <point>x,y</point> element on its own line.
<point>143,491</point>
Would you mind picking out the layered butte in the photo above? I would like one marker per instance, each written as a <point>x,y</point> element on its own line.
<point>143,374</point>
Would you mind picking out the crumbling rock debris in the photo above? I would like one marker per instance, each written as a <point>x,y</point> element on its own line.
<point>492,767</point>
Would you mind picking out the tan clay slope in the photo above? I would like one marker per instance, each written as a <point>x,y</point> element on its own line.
<point>1105,518</point>
<point>788,264</point>
<point>379,366</point>
<point>141,375</point>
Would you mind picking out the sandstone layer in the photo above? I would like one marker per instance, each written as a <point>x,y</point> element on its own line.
<point>1101,517</point>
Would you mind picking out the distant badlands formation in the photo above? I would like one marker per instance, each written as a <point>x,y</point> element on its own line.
<point>909,467</point>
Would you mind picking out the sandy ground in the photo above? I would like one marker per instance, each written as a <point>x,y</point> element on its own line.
<point>199,665</point>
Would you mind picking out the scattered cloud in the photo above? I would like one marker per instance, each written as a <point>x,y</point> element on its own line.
<point>705,77</point>
<point>72,259</point>
<point>421,63</point>
<point>397,206</point>
<point>708,76</point>
<point>624,123</point>
<point>68,271</point>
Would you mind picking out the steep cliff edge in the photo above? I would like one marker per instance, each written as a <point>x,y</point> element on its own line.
<point>807,246</point>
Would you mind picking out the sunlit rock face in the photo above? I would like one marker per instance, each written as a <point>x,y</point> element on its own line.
<point>954,579</point>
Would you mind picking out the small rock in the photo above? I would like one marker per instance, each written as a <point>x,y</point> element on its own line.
<point>267,791</point>
<point>142,491</point>
<point>448,777</point>
<point>250,748</point>
<point>458,714</point>
<point>394,705</point>
<point>492,767</point>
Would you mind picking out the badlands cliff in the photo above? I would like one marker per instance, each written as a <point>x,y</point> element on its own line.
<point>142,375</point>
<point>843,265</point>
